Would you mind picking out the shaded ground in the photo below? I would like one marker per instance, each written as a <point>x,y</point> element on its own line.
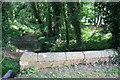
<point>12,54</point>
<point>76,71</point>
<point>27,42</point>
<point>23,44</point>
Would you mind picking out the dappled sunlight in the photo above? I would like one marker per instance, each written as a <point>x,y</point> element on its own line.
<point>37,27</point>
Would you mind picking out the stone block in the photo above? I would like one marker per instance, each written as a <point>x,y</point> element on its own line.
<point>28,56</point>
<point>108,53</point>
<point>92,54</point>
<point>42,64</point>
<point>51,56</point>
<point>76,61</point>
<point>42,60</point>
<point>74,55</point>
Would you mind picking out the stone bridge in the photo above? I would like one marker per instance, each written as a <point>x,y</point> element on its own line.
<point>42,60</point>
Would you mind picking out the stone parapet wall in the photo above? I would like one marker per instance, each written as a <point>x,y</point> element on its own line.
<point>42,60</point>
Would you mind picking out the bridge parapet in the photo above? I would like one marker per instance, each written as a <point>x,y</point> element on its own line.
<point>42,60</point>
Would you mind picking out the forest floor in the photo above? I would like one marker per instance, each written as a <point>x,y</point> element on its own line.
<point>79,71</point>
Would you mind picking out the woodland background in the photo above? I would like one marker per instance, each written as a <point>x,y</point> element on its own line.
<point>60,26</point>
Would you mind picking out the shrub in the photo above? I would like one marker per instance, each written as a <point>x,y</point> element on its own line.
<point>8,64</point>
<point>31,69</point>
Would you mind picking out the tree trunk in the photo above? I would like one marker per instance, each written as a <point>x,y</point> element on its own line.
<point>56,15</point>
<point>37,16</point>
<point>49,20</point>
<point>66,24</point>
<point>115,28</point>
<point>75,11</point>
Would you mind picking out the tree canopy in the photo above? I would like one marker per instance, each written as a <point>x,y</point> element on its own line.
<point>61,26</point>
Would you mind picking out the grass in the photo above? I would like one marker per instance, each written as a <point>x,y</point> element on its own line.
<point>81,71</point>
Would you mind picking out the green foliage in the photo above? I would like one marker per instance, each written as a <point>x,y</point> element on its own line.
<point>111,70</point>
<point>65,28</point>
<point>93,45</point>
<point>116,59</point>
<point>59,45</point>
<point>29,70</point>
<point>10,64</point>
<point>82,63</point>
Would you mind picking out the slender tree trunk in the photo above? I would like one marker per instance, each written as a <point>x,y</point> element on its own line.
<point>115,28</point>
<point>56,15</point>
<point>37,16</point>
<point>66,23</point>
<point>67,31</point>
<point>75,11</point>
<point>49,20</point>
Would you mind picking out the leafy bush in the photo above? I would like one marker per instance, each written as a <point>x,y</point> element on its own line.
<point>29,70</point>
<point>93,45</point>
<point>116,59</point>
<point>8,64</point>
